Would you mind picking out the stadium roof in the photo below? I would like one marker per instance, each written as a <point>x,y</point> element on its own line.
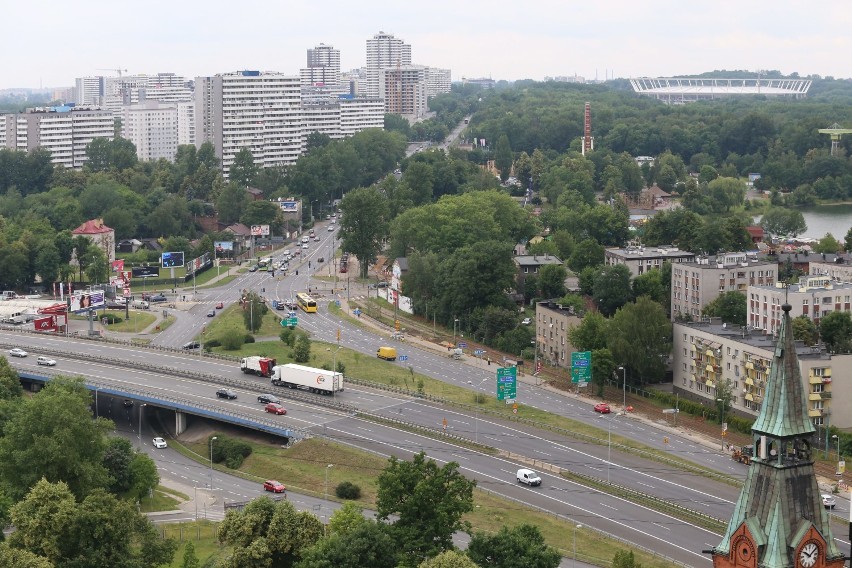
<point>678,90</point>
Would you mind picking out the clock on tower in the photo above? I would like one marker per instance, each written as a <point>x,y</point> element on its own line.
<point>809,554</point>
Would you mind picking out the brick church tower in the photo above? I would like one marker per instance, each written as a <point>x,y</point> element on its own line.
<point>779,520</point>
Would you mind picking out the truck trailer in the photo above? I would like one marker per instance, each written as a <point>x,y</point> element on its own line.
<point>255,365</point>
<point>314,380</point>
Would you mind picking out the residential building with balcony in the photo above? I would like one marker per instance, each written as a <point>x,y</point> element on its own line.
<point>711,353</point>
<point>696,284</point>
<point>813,296</point>
<point>153,129</point>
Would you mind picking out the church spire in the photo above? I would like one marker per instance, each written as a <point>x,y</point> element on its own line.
<point>779,520</point>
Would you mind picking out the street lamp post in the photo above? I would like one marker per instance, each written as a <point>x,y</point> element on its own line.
<point>211,460</point>
<point>455,322</point>
<point>836,437</point>
<point>608,445</point>
<point>96,401</point>
<point>624,389</point>
<point>476,409</point>
<point>722,420</point>
<point>139,433</point>
<point>328,467</point>
<point>574,560</point>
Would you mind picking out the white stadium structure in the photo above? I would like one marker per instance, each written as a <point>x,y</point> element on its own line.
<point>679,90</point>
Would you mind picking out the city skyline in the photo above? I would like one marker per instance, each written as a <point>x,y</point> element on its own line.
<point>474,39</point>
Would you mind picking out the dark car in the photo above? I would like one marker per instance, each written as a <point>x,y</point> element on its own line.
<point>128,403</point>
<point>158,298</point>
<point>191,345</point>
<point>225,393</point>
<point>267,398</point>
<point>211,313</point>
<point>253,268</point>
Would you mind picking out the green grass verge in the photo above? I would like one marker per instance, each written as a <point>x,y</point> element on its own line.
<point>202,534</point>
<point>135,323</point>
<point>302,468</point>
<point>162,499</point>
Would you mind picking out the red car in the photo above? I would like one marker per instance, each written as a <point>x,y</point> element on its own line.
<point>602,407</point>
<point>273,408</point>
<point>220,305</point>
<point>274,486</point>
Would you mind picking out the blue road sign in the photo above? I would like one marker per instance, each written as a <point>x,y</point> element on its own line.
<point>462,344</point>
<point>403,357</point>
<point>478,352</point>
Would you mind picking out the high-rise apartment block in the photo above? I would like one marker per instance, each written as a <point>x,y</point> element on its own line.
<point>438,81</point>
<point>153,128</point>
<point>64,131</point>
<point>323,70</point>
<point>384,51</point>
<point>257,110</point>
<point>404,90</point>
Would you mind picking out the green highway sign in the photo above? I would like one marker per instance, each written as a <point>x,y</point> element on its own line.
<point>581,367</point>
<point>289,322</point>
<point>507,383</point>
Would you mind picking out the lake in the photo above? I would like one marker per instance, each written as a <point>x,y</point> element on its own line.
<point>821,219</point>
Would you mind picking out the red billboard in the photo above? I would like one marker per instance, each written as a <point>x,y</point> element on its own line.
<point>45,324</point>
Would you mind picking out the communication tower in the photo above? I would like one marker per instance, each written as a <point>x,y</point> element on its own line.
<point>835,131</point>
<point>588,140</point>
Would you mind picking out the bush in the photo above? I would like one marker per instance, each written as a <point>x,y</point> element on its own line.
<point>208,345</point>
<point>348,490</point>
<point>341,368</point>
<point>248,338</point>
<point>288,336</point>
<point>112,318</point>
<point>232,339</point>
<point>230,451</point>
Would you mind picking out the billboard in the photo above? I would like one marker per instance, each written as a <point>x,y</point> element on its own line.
<point>260,230</point>
<point>118,265</point>
<point>45,324</point>
<point>87,301</point>
<point>223,246</point>
<point>145,271</point>
<point>172,259</point>
<point>289,206</point>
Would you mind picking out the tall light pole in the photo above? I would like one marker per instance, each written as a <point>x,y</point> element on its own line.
<point>624,389</point>
<point>139,433</point>
<point>836,437</point>
<point>211,460</point>
<point>574,561</point>
<point>608,444</point>
<point>476,408</point>
<point>455,322</point>
<point>328,467</point>
<point>96,401</point>
<point>722,420</point>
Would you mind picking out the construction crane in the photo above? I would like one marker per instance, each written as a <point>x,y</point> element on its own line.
<point>119,71</point>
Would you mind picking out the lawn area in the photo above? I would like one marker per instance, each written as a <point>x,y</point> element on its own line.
<point>302,468</point>
<point>163,499</point>
<point>202,534</point>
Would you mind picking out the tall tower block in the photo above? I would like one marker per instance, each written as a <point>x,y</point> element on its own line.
<point>588,141</point>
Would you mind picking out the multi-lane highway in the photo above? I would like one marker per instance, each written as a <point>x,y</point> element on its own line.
<point>655,531</point>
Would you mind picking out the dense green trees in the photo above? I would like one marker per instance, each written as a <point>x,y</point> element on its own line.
<point>731,306</point>
<point>364,226</point>
<point>522,545</point>
<point>428,501</point>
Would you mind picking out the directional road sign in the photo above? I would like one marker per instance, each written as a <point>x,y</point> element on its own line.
<point>581,366</point>
<point>507,382</point>
<point>289,322</point>
<point>403,357</point>
<point>478,352</point>
<point>462,344</point>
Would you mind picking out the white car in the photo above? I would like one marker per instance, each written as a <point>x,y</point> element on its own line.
<point>526,321</point>
<point>42,360</point>
<point>160,443</point>
<point>828,501</point>
<point>17,352</point>
<point>304,246</point>
<point>330,228</point>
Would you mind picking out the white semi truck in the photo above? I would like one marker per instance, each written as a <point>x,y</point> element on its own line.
<point>314,380</point>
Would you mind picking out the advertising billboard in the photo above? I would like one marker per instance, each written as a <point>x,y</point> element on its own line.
<point>223,246</point>
<point>145,271</point>
<point>172,259</point>
<point>45,324</point>
<point>260,230</point>
<point>87,301</point>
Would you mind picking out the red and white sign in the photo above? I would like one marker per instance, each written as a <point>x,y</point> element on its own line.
<point>45,324</point>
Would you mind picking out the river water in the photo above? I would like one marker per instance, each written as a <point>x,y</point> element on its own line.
<point>821,219</point>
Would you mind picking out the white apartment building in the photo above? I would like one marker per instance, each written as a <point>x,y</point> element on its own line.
<point>186,122</point>
<point>153,129</point>
<point>88,91</point>
<point>360,113</point>
<point>838,269</point>
<point>323,70</point>
<point>64,131</point>
<point>696,284</point>
<point>383,51</point>
<point>639,259</point>
<point>813,296</point>
<point>438,81</point>
<point>257,110</point>
<point>404,91</point>
<point>711,353</point>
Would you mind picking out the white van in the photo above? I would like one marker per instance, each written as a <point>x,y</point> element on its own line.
<point>141,304</point>
<point>305,239</point>
<point>528,476</point>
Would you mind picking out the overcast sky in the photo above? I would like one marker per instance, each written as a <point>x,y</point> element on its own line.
<point>50,43</point>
